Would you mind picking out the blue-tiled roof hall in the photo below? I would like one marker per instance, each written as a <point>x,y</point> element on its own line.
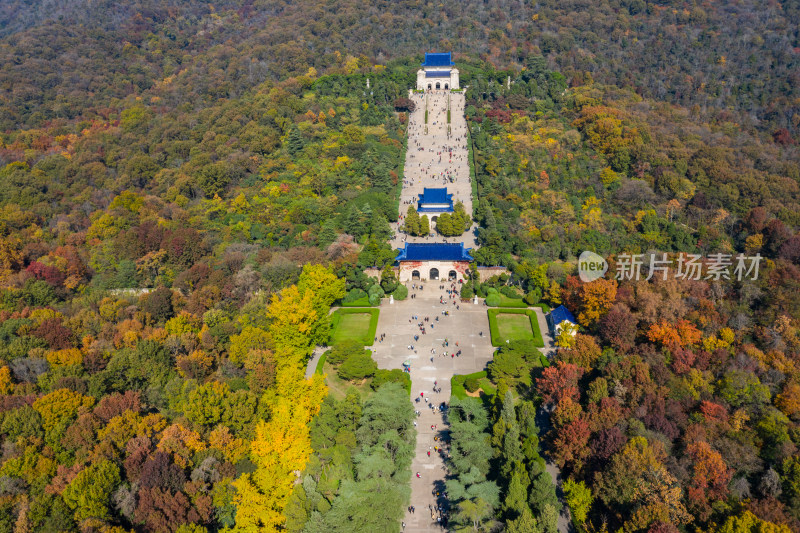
<point>434,252</point>
<point>438,60</point>
<point>560,314</point>
<point>435,200</point>
<point>435,195</point>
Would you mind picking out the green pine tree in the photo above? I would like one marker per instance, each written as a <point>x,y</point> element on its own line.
<point>461,220</point>
<point>516,500</point>
<point>526,523</point>
<point>379,227</point>
<point>444,224</point>
<point>411,224</point>
<point>295,141</point>
<point>388,279</point>
<point>327,233</point>
<point>353,221</point>
<point>424,225</point>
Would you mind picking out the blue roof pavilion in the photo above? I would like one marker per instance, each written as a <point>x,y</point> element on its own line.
<point>435,200</point>
<point>438,60</point>
<point>434,252</point>
<point>560,314</point>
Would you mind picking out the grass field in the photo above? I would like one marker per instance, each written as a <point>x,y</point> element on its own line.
<point>338,387</point>
<point>351,324</point>
<point>514,324</point>
<point>457,385</point>
<point>514,327</point>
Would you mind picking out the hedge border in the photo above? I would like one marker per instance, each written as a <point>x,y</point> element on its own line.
<point>361,302</point>
<point>512,303</point>
<point>369,338</point>
<point>538,340</point>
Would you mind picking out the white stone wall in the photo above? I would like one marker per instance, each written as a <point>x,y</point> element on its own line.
<point>452,82</point>
<point>407,268</point>
<point>421,80</point>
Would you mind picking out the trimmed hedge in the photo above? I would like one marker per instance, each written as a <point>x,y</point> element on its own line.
<point>354,298</point>
<point>495,333</point>
<point>361,302</point>
<point>517,303</point>
<point>369,337</point>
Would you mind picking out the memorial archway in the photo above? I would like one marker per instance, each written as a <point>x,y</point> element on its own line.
<point>434,274</point>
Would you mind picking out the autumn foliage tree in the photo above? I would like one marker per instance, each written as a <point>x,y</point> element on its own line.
<point>560,381</point>
<point>596,299</point>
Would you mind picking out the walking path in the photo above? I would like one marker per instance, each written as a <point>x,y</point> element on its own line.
<point>311,367</point>
<point>464,324</point>
<point>437,156</point>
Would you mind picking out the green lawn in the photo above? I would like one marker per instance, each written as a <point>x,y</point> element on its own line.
<point>514,327</point>
<point>514,324</point>
<point>457,385</point>
<point>338,387</point>
<point>352,324</point>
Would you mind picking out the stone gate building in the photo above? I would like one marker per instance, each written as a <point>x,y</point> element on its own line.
<point>438,72</point>
<point>433,261</point>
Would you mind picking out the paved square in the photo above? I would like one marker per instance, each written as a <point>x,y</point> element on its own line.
<point>463,325</point>
<point>437,156</point>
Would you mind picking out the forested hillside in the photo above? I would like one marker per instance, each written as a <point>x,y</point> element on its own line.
<point>725,60</point>
<point>186,188</point>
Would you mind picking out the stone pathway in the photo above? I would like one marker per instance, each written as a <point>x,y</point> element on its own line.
<point>434,158</point>
<point>463,325</point>
<point>437,156</point>
<point>311,367</point>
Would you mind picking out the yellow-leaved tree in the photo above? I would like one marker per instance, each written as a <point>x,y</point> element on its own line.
<point>280,451</point>
<point>282,445</point>
<point>293,318</point>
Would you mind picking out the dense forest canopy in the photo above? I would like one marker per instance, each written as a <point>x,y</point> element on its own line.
<point>187,187</point>
<point>721,58</point>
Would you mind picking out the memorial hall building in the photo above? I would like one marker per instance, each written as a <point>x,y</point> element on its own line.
<point>433,261</point>
<point>438,72</point>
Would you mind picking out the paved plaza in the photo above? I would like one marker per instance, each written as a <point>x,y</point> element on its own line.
<point>437,156</point>
<point>463,325</point>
